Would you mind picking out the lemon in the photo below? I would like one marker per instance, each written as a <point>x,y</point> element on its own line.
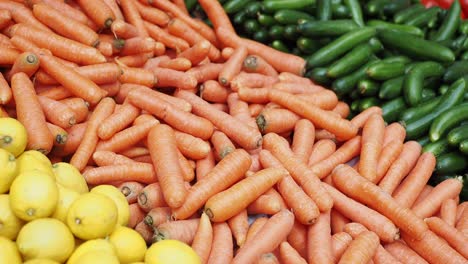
<point>119,200</point>
<point>92,216</point>
<point>66,198</point>
<point>13,136</point>
<point>69,176</point>
<point>97,257</point>
<point>34,160</point>
<point>46,238</point>
<point>8,170</point>
<point>129,244</point>
<point>171,251</point>
<point>101,245</point>
<point>41,261</point>
<point>9,252</point>
<point>10,225</point>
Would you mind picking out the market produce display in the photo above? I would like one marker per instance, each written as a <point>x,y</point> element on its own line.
<point>137,132</point>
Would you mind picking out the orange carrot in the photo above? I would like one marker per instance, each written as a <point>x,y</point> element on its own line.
<point>253,80</point>
<point>226,52</point>
<point>240,110</point>
<point>273,232</point>
<point>360,119</point>
<point>222,144</point>
<point>205,165</point>
<point>242,134</point>
<point>103,73</point>
<point>178,64</point>
<point>239,226</point>
<point>164,37</point>
<point>75,135</point>
<point>119,120</point>
<point>403,253</point>
<point>152,15</point>
<point>5,91</point>
<point>113,5</point>
<point>239,196</point>
<point>361,249</point>
<point>343,154</point>
<point>203,239</point>
<point>130,190</point>
<point>188,171</point>
<point>133,16</point>
<point>342,109</point>
<point>182,230</point>
<point>388,155</point>
<point>157,216</point>
<point>26,62</point>
<point>448,211</point>
<point>250,95</point>
<point>297,238</point>
<point>137,45</point>
<point>324,99</point>
<point>303,140</point>
<point>319,246</point>
<point>212,91</point>
<point>22,14</point>
<point>57,113</point>
<point>288,255</point>
<point>59,134</point>
<point>228,171</point>
<point>462,218</point>
<point>88,144</point>
<point>401,166</point>
<point>433,248</point>
<point>298,170</point>
<point>371,146</point>
<point>340,242</point>
<point>98,11</point>
<point>136,60</point>
<point>255,109</point>
<point>30,114</point>
<point>233,65</point>
<point>222,245</point>
<point>412,186</point>
<point>276,120</point>
<point>151,197</point>
<point>342,128</point>
<point>134,152</point>
<point>173,78</point>
<point>455,238</point>
<point>205,72</point>
<point>139,172</point>
<point>136,215</point>
<point>430,205</point>
<point>216,14</point>
<point>145,231</point>
<point>357,212</point>
<point>8,55</point>
<point>337,221</point>
<point>257,64</point>
<point>256,225</point>
<point>304,89</point>
<point>356,187</point>
<point>176,102</point>
<point>394,131</point>
<point>197,53</point>
<point>192,147</point>
<point>177,12</point>
<point>138,76</point>
<point>426,190</point>
<point>321,150</point>
<point>56,93</point>
<point>268,203</point>
<point>78,106</point>
<point>5,18</point>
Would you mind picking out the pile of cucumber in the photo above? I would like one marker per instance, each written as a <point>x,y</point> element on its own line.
<point>410,60</point>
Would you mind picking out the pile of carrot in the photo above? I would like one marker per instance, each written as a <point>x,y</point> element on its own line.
<point>202,129</point>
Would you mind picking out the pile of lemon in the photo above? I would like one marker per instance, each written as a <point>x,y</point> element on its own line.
<point>48,215</point>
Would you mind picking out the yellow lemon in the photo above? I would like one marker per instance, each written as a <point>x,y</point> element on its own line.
<point>10,225</point>
<point>8,170</point>
<point>100,244</point>
<point>97,257</point>
<point>92,216</point>
<point>129,244</point>
<point>119,200</point>
<point>41,261</point>
<point>46,238</point>
<point>34,160</point>
<point>13,136</point>
<point>33,194</point>
<point>69,176</point>
<point>9,252</point>
<point>171,251</point>
<point>66,198</point>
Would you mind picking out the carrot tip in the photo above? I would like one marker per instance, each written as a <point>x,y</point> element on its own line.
<point>209,213</point>
<point>108,22</point>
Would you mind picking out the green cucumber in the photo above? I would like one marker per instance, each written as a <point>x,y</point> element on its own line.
<point>319,75</point>
<point>379,24</point>
<point>405,14</point>
<point>324,10</point>
<point>274,5</point>
<point>331,28</point>
<point>374,7</point>
<point>286,16</point>
<point>457,135</point>
<point>450,23</point>
<point>290,32</point>
<point>367,103</point>
<point>346,84</point>
<point>437,148</point>
<point>392,109</point>
<point>340,11</point>
<point>356,11</point>
<point>420,110</point>
<point>251,26</point>
<point>448,120</point>
<point>424,18</point>
<point>276,32</point>
<point>266,20</point>
<point>392,7</point>
<point>261,36</point>
<point>455,71</point>
<point>464,147</point>
<point>427,94</point>
<point>391,88</point>
<point>307,45</point>
<point>452,162</point>
<point>253,8</point>
<point>386,70</point>
<point>414,80</point>
<point>463,27</point>
<point>368,87</point>
<point>423,141</point>
<point>234,6</point>
<point>279,45</point>
<point>240,17</point>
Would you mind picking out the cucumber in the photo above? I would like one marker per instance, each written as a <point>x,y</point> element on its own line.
<point>368,87</point>
<point>253,8</point>
<point>391,88</point>
<point>340,11</point>
<point>427,94</point>
<point>448,120</point>
<point>437,148</point>
<point>279,45</point>
<point>346,84</point>
<point>290,32</point>
<point>251,26</point>
<point>420,110</point>
<point>319,75</point>
<point>287,16</point>
<point>424,18</point>
<point>374,7</point>
<point>464,147</point>
<point>423,141</point>
<point>450,23</point>
<point>455,71</point>
<point>405,14</point>
<point>457,135</point>
<point>386,70</point>
<point>392,7</point>
<point>261,36</point>
<point>331,28</point>
<point>276,32</point>
<point>324,10</point>
<point>451,163</point>
<point>234,6</point>
<point>414,80</point>
<point>356,11</point>
<point>379,24</point>
<point>392,109</point>
<point>274,5</point>
<point>266,20</point>
<point>307,45</point>
<point>367,103</point>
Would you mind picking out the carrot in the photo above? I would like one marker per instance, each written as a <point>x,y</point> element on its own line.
<point>22,14</point>
<point>144,159</point>
<point>433,248</point>
<point>267,258</point>
<point>324,99</point>
<point>98,11</point>
<point>197,53</point>
<point>182,230</point>
<point>204,165</point>
<point>273,232</point>
<point>173,78</point>
<point>136,60</point>
<point>151,197</point>
<point>216,14</point>
<point>342,109</point>
<point>67,10</point>
<point>212,91</point>
<point>113,5</point>
<point>230,202</point>
<point>361,249</point>
<point>5,18</point>
<point>138,76</point>
<point>119,120</point>
<point>56,93</point>
<point>298,170</point>
<point>188,171</point>
<point>139,172</point>
<point>133,16</point>
<point>276,120</point>
<point>389,154</point>
<point>355,186</point>
<point>30,114</point>
<point>169,7</point>
<point>178,64</point>
<point>250,95</point>
<point>321,150</point>
<point>5,91</point>
<point>430,205</point>
<point>448,211</point>
<point>152,15</point>
<point>462,218</point>
<point>26,62</point>
<point>403,253</point>
<point>253,80</point>
<point>340,242</point>
<point>130,190</point>
<point>136,215</point>
<point>360,119</point>
<point>343,154</point>
<point>176,102</point>
<point>342,128</point>
<point>59,134</point>
<point>203,239</point>
<point>394,131</point>
<point>303,140</point>
<point>240,110</point>
<point>304,89</point>
<point>192,147</point>
<point>228,171</point>
<point>79,107</point>
<point>103,73</point>
<point>205,72</point>
<point>337,221</point>
<point>8,55</point>
<point>57,113</point>
<point>222,245</point>
<point>255,226</point>
<point>87,146</point>
<point>297,238</point>
<point>164,37</point>
<point>226,52</point>
<point>137,45</point>
<point>222,144</point>
<point>145,231</point>
<point>75,135</point>
<point>60,46</point>
<point>239,226</point>
<point>242,134</point>
<point>70,79</point>
<point>255,109</point>
<point>233,65</point>
<point>269,203</point>
<point>454,237</point>
<point>158,216</point>
<point>5,41</point>
<point>426,190</point>
<point>65,26</point>
<point>163,150</point>
<point>134,152</point>
<point>371,146</point>
<point>357,212</point>
<point>401,166</point>
<point>257,64</point>
<point>288,255</point>
<point>319,246</point>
